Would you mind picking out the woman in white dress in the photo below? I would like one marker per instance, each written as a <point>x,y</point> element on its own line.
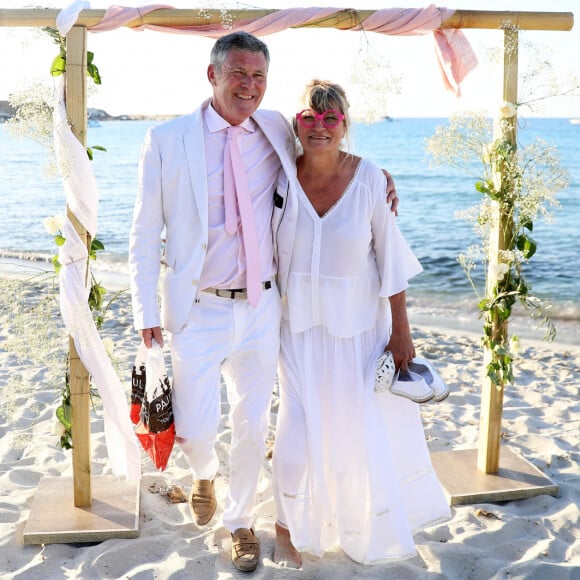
<point>351,465</point>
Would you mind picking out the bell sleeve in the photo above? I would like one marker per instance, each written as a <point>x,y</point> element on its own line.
<point>396,262</point>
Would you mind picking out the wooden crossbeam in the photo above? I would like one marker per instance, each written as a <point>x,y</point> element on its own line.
<point>487,19</point>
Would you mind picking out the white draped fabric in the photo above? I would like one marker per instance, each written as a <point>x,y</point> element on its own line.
<point>82,199</point>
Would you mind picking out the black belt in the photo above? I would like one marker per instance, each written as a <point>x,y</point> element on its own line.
<point>235,293</point>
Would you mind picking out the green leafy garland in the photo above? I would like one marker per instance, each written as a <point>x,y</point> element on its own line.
<point>98,307</point>
<point>97,292</point>
<point>521,185</point>
<point>58,66</point>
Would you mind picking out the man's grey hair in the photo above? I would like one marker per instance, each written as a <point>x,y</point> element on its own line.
<point>236,41</point>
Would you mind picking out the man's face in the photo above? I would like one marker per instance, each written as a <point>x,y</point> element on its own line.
<point>238,88</point>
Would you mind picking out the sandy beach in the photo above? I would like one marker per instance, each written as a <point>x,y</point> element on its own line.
<point>536,538</point>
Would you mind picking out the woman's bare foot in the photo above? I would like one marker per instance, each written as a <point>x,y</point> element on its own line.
<point>285,554</point>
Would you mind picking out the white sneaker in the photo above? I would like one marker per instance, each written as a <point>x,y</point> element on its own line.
<point>412,386</point>
<point>425,369</point>
<point>386,372</point>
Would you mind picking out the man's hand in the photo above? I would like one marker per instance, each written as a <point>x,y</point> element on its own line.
<point>391,192</point>
<point>150,334</point>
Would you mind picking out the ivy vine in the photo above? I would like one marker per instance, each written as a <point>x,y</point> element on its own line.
<point>54,225</point>
<point>520,184</point>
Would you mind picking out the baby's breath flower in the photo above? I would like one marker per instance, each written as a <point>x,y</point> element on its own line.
<point>518,185</point>
<point>204,7</point>
<point>518,256</point>
<point>374,83</point>
<point>227,18</point>
<point>503,125</point>
<point>33,118</point>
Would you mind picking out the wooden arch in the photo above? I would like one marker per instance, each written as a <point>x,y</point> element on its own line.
<point>468,475</point>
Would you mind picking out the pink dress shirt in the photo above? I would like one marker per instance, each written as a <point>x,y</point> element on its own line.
<point>225,263</point>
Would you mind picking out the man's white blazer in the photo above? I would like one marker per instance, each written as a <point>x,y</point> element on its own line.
<point>172,203</point>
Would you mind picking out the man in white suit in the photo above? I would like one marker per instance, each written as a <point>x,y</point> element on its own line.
<point>213,327</point>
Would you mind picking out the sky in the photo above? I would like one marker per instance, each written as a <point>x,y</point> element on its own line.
<point>156,73</point>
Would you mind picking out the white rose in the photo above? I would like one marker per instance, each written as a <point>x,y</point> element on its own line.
<point>54,224</point>
<point>507,110</point>
<point>58,428</point>
<point>500,270</point>
<point>503,269</point>
<point>515,344</point>
<point>60,220</point>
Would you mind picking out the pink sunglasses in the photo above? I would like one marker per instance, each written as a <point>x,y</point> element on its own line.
<point>330,118</point>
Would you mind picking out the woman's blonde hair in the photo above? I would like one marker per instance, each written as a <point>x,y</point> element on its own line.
<point>322,95</point>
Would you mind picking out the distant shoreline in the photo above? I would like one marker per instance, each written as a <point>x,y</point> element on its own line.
<point>7,112</point>
<point>108,118</point>
<point>100,115</point>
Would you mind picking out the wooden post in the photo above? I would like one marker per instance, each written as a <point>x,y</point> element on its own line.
<point>82,508</point>
<point>492,394</point>
<point>76,107</point>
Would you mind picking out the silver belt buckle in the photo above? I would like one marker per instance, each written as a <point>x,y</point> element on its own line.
<point>236,293</point>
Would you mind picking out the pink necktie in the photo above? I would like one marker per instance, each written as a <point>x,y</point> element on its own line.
<point>236,189</point>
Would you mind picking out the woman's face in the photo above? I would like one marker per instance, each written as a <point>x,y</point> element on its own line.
<point>320,131</point>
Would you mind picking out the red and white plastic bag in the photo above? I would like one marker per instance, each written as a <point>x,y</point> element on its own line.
<point>156,429</point>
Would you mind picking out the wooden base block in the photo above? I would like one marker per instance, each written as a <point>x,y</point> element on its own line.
<point>54,519</point>
<point>464,484</point>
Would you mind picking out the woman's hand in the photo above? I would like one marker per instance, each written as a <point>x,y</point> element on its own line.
<point>402,347</point>
<point>401,343</point>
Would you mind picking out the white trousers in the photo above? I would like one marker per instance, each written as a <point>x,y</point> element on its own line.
<point>240,342</point>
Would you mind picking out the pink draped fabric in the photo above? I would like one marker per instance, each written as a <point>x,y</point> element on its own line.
<point>454,53</point>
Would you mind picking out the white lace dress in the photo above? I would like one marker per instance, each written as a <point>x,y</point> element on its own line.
<point>351,466</point>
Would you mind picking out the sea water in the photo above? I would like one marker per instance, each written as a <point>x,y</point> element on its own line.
<point>429,198</point>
